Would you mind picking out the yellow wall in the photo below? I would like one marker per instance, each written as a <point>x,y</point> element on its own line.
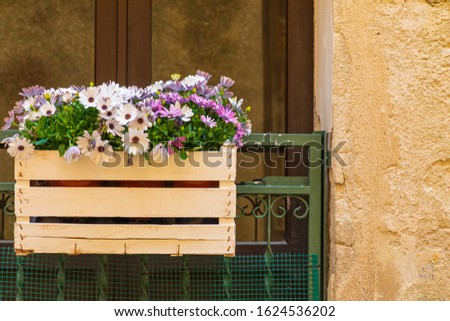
<point>390,204</point>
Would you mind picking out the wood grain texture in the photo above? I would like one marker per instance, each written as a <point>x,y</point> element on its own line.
<point>126,231</point>
<point>126,202</point>
<point>199,166</point>
<point>88,246</point>
<point>114,201</point>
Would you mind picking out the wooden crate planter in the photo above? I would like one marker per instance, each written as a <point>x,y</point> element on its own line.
<point>126,202</point>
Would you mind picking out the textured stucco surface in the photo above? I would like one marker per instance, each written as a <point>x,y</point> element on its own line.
<point>390,206</point>
<point>48,43</point>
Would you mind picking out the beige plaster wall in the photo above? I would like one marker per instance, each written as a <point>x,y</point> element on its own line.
<point>48,43</point>
<point>323,57</point>
<point>390,207</point>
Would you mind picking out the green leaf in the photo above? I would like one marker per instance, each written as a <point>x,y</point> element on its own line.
<point>41,142</point>
<point>183,154</point>
<point>62,150</point>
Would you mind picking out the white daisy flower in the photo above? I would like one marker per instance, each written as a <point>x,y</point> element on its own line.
<point>140,122</point>
<point>87,143</point>
<point>159,154</point>
<point>113,92</point>
<point>135,141</point>
<point>102,152</point>
<point>7,140</point>
<point>132,92</point>
<point>47,109</point>
<point>67,96</point>
<point>72,154</point>
<point>20,148</point>
<point>126,114</point>
<point>109,114</point>
<point>190,81</point>
<point>235,103</point>
<point>114,127</point>
<point>109,89</point>
<point>104,104</point>
<point>187,113</point>
<point>156,87</point>
<point>32,115</point>
<point>89,97</point>
<point>28,103</point>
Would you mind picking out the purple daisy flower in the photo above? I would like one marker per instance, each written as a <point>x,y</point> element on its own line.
<point>201,101</point>
<point>171,98</point>
<point>173,85</point>
<point>173,112</point>
<point>208,121</point>
<point>18,107</point>
<point>204,74</point>
<point>32,91</point>
<point>226,81</point>
<point>178,143</point>
<point>206,91</point>
<point>8,120</point>
<point>228,115</point>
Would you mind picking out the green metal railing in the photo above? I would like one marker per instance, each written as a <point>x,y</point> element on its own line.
<point>291,275</point>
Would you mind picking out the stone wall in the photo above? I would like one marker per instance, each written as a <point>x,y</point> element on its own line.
<point>390,203</point>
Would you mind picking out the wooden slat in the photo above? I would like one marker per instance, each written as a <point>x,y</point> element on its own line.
<point>200,166</point>
<point>125,232</point>
<point>84,246</point>
<point>126,202</point>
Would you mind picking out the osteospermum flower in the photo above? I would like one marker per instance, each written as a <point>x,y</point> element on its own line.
<point>32,91</point>
<point>226,81</point>
<point>140,122</point>
<point>208,121</point>
<point>32,115</point>
<point>109,114</point>
<point>159,154</point>
<point>135,141</point>
<point>72,154</point>
<point>28,104</point>
<point>204,74</point>
<point>173,111</point>
<point>47,109</point>
<point>247,126</point>
<point>155,88</point>
<point>186,113</point>
<point>114,127</point>
<point>228,115</point>
<point>235,103</point>
<point>88,142</point>
<point>7,140</point>
<point>20,148</point>
<point>126,114</point>
<point>102,152</point>
<point>104,104</point>
<point>9,120</point>
<point>190,82</point>
<point>89,96</point>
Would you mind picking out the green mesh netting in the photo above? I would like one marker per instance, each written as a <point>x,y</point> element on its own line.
<point>158,277</point>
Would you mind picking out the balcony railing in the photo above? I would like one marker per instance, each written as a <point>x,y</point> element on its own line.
<point>287,269</point>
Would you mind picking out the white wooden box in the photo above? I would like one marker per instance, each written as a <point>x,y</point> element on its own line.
<point>126,202</point>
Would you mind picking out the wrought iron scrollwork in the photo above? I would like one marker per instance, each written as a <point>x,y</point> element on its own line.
<point>260,206</point>
<point>7,203</point>
<point>254,205</point>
